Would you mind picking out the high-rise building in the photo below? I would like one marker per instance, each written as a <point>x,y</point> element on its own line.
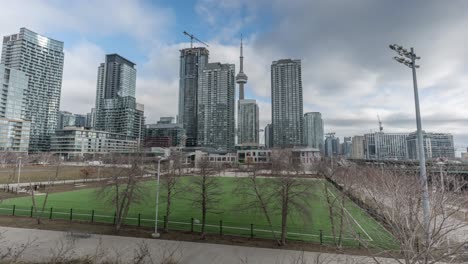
<point>332,146</point>
<point>286,103</point>
<point>386,146</point>
<point>192,63</point>
<point>436,145</point>
<point>41,58</point>
<point>116,108</point>
<point>247,114</point>
<point>347,147</point>
<point>268,136</point>
<point>358,147</point>
<point>313,130</point>
<point>14,130</point>
<point>216,100</point>
<point>164,134</point>
<point>80,120</point>
<point>65,119</point>
<point>91,118</point>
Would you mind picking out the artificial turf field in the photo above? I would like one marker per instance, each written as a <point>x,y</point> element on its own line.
<point>235,221</point>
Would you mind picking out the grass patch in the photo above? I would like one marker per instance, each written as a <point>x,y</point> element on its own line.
<point>235,221</point>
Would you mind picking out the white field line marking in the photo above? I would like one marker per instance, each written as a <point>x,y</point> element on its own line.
<point>355,221</point>
<point>185,223</point>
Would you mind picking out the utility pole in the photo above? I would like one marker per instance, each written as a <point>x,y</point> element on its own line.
<point>156,234</point>
<point>411,63</point>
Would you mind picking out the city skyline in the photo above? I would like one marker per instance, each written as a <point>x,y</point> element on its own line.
<point>385,91</point>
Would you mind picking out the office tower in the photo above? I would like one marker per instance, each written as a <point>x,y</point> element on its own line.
<point>14,130</point>
<point>216,97</point>
<point>116,108</point>
<point>386,146</point>
<point>269,136</point>
<point>332,146</point>
<point>313,130</point>
<point>286,103</point>
<point>65,119</point>
<point>248,122</point>
<point>165,133</point>
<point>436,145</point>
<point>192,62</point>
<point>357,147</point>
<point>41,58</point>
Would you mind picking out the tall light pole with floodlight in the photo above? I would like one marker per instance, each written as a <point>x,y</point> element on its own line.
<point>409,58</point>
<point>156,234</point>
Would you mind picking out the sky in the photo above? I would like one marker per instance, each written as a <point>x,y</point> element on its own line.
<point>348,73</point>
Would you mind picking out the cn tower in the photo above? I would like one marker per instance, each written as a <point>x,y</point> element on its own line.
<point>241,77</point>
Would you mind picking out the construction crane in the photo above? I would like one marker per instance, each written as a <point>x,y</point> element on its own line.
<point>192,37</point>
<point>380,124</point>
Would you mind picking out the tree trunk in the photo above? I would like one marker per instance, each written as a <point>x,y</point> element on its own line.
<point>204,209</point>
<point>168,206</point>
<point>284,213</point>
<point>330,213</point>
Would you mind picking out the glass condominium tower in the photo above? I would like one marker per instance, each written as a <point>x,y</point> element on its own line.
<point>313,130</point>
<point>286,103</point>
<point>216,100</point>
<point>192,63</point>
<point>116,108</point>
<point>41,58</point>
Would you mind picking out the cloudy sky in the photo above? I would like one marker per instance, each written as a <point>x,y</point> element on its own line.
<point>348,73</point>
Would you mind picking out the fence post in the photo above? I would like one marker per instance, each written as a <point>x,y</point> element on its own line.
<point>115,215</point>
<point>14,208</point>
<point>191,225</point>
<point>31,211</point>
<point>221,227</point>
<point>165,225</point>
<point>92,216</point>
<point>359,239</point>
<point>139,219</point>
<point>71,214</point>
<point>50,215</point>
<point>251,231</point>
<point>321,237</point>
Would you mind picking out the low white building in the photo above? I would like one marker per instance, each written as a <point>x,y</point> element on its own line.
<point>77,141</point>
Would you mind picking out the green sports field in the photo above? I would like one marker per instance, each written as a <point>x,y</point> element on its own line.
<point>84,205</point>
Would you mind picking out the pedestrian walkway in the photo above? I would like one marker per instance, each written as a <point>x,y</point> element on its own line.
<point>48,242</point>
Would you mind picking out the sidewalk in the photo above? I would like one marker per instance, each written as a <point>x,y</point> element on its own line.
<point>46,243</point>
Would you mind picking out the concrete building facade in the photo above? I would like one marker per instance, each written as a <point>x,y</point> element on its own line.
<point>436,145</point>
<point>73,142</point>
<point>41,58</point>
<point>386,146</point>
<point>287,103</point>
<point>358,147</point>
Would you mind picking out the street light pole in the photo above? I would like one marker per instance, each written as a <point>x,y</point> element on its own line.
<point>422,158</point>
<point>156,234</point>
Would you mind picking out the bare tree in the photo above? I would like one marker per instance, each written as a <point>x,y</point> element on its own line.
<point>393,196</point>
<point>124,187</point>
<point>292,191</point>
<point>255,195</point>
<point>206,191</point>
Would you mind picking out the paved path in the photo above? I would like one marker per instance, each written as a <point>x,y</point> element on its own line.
<point>46,243</point>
